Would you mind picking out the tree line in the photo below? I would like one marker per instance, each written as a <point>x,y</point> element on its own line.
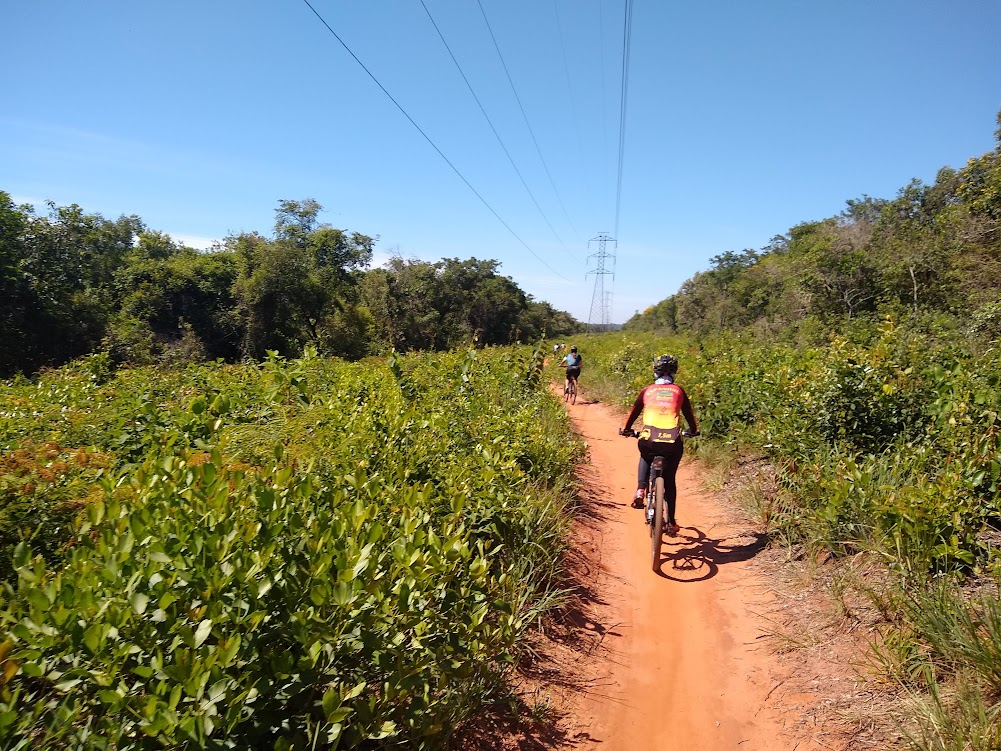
<point>73,283</point>
<point>932,251</point>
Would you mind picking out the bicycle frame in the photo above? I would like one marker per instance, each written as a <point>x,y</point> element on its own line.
<point>656,470</point>
<point>570,389</point>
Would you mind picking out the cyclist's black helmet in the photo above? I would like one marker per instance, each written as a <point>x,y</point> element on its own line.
<point>573,348</point>
<point>665,365</point>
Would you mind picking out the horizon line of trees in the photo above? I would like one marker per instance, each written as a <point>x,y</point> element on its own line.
<point>73,283</point>
<point>933,249</point>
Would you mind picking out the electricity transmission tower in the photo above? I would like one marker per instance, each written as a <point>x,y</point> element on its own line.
<point>600,301</point>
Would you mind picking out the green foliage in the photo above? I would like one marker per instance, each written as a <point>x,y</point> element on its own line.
<point>420,305</point>
<point>961,633</point>
<point>73,283</point>
<point>42,489</point>
<point>890,441</point>
<point>56,279</point>
<point>302,554</point>
<point>174,299</point>
<point>260,606</point>
<point>960,639</point>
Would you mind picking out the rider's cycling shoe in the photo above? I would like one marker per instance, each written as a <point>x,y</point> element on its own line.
<point>639,500</point>
<point>673,529</point>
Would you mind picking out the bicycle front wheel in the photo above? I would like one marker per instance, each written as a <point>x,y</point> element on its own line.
<point>657,528</point>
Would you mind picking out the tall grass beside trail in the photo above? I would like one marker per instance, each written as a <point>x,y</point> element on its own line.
<point>302,554</point>
<point>893,442</point>
<point>886,441</point>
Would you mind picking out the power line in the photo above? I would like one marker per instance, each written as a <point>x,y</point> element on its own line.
<point>433,144</point>
<point>627,30</point>
<point>604,119</point>
<point>496,134</point>
<point>566,71</point>
<point>525,116</point>
<point>626,42</point>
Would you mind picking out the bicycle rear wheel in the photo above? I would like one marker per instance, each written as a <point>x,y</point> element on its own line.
<point>657,528</point>
<point>573,391</point>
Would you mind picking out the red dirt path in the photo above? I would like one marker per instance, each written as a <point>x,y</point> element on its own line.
<point>681,662</point>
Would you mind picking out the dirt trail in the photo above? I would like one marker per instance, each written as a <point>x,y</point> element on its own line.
<point>682,663</point>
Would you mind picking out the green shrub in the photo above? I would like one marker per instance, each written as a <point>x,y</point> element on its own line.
<point>888,438</point>
<point>302,554</point>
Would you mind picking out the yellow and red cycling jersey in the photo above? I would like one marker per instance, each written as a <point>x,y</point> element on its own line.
<point>662,405</point>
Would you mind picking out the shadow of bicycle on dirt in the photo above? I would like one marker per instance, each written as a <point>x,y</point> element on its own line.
<point>692,557</point>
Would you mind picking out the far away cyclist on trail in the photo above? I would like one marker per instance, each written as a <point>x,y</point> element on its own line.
<point>572,361</point>
<point>662,404</point>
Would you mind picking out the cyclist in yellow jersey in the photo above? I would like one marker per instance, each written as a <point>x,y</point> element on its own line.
<point>662,405</point>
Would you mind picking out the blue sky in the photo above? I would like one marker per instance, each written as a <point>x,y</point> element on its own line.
<point>744,118</point>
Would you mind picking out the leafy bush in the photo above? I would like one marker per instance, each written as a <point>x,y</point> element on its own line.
<point>302,554</point>
<point>889,440</point>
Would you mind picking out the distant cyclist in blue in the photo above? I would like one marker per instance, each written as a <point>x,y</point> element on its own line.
<point>572,361</point>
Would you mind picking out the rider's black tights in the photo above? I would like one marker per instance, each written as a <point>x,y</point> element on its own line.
<point>672,458</point>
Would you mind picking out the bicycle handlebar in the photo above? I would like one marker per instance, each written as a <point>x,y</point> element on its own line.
<point>633,434</point>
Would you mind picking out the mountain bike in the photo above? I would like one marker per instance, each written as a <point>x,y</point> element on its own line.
<point>655,513</point>
<point>570,389</point>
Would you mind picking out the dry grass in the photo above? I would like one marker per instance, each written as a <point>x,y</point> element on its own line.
<point>849,631</point>
<point>823,619</point>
